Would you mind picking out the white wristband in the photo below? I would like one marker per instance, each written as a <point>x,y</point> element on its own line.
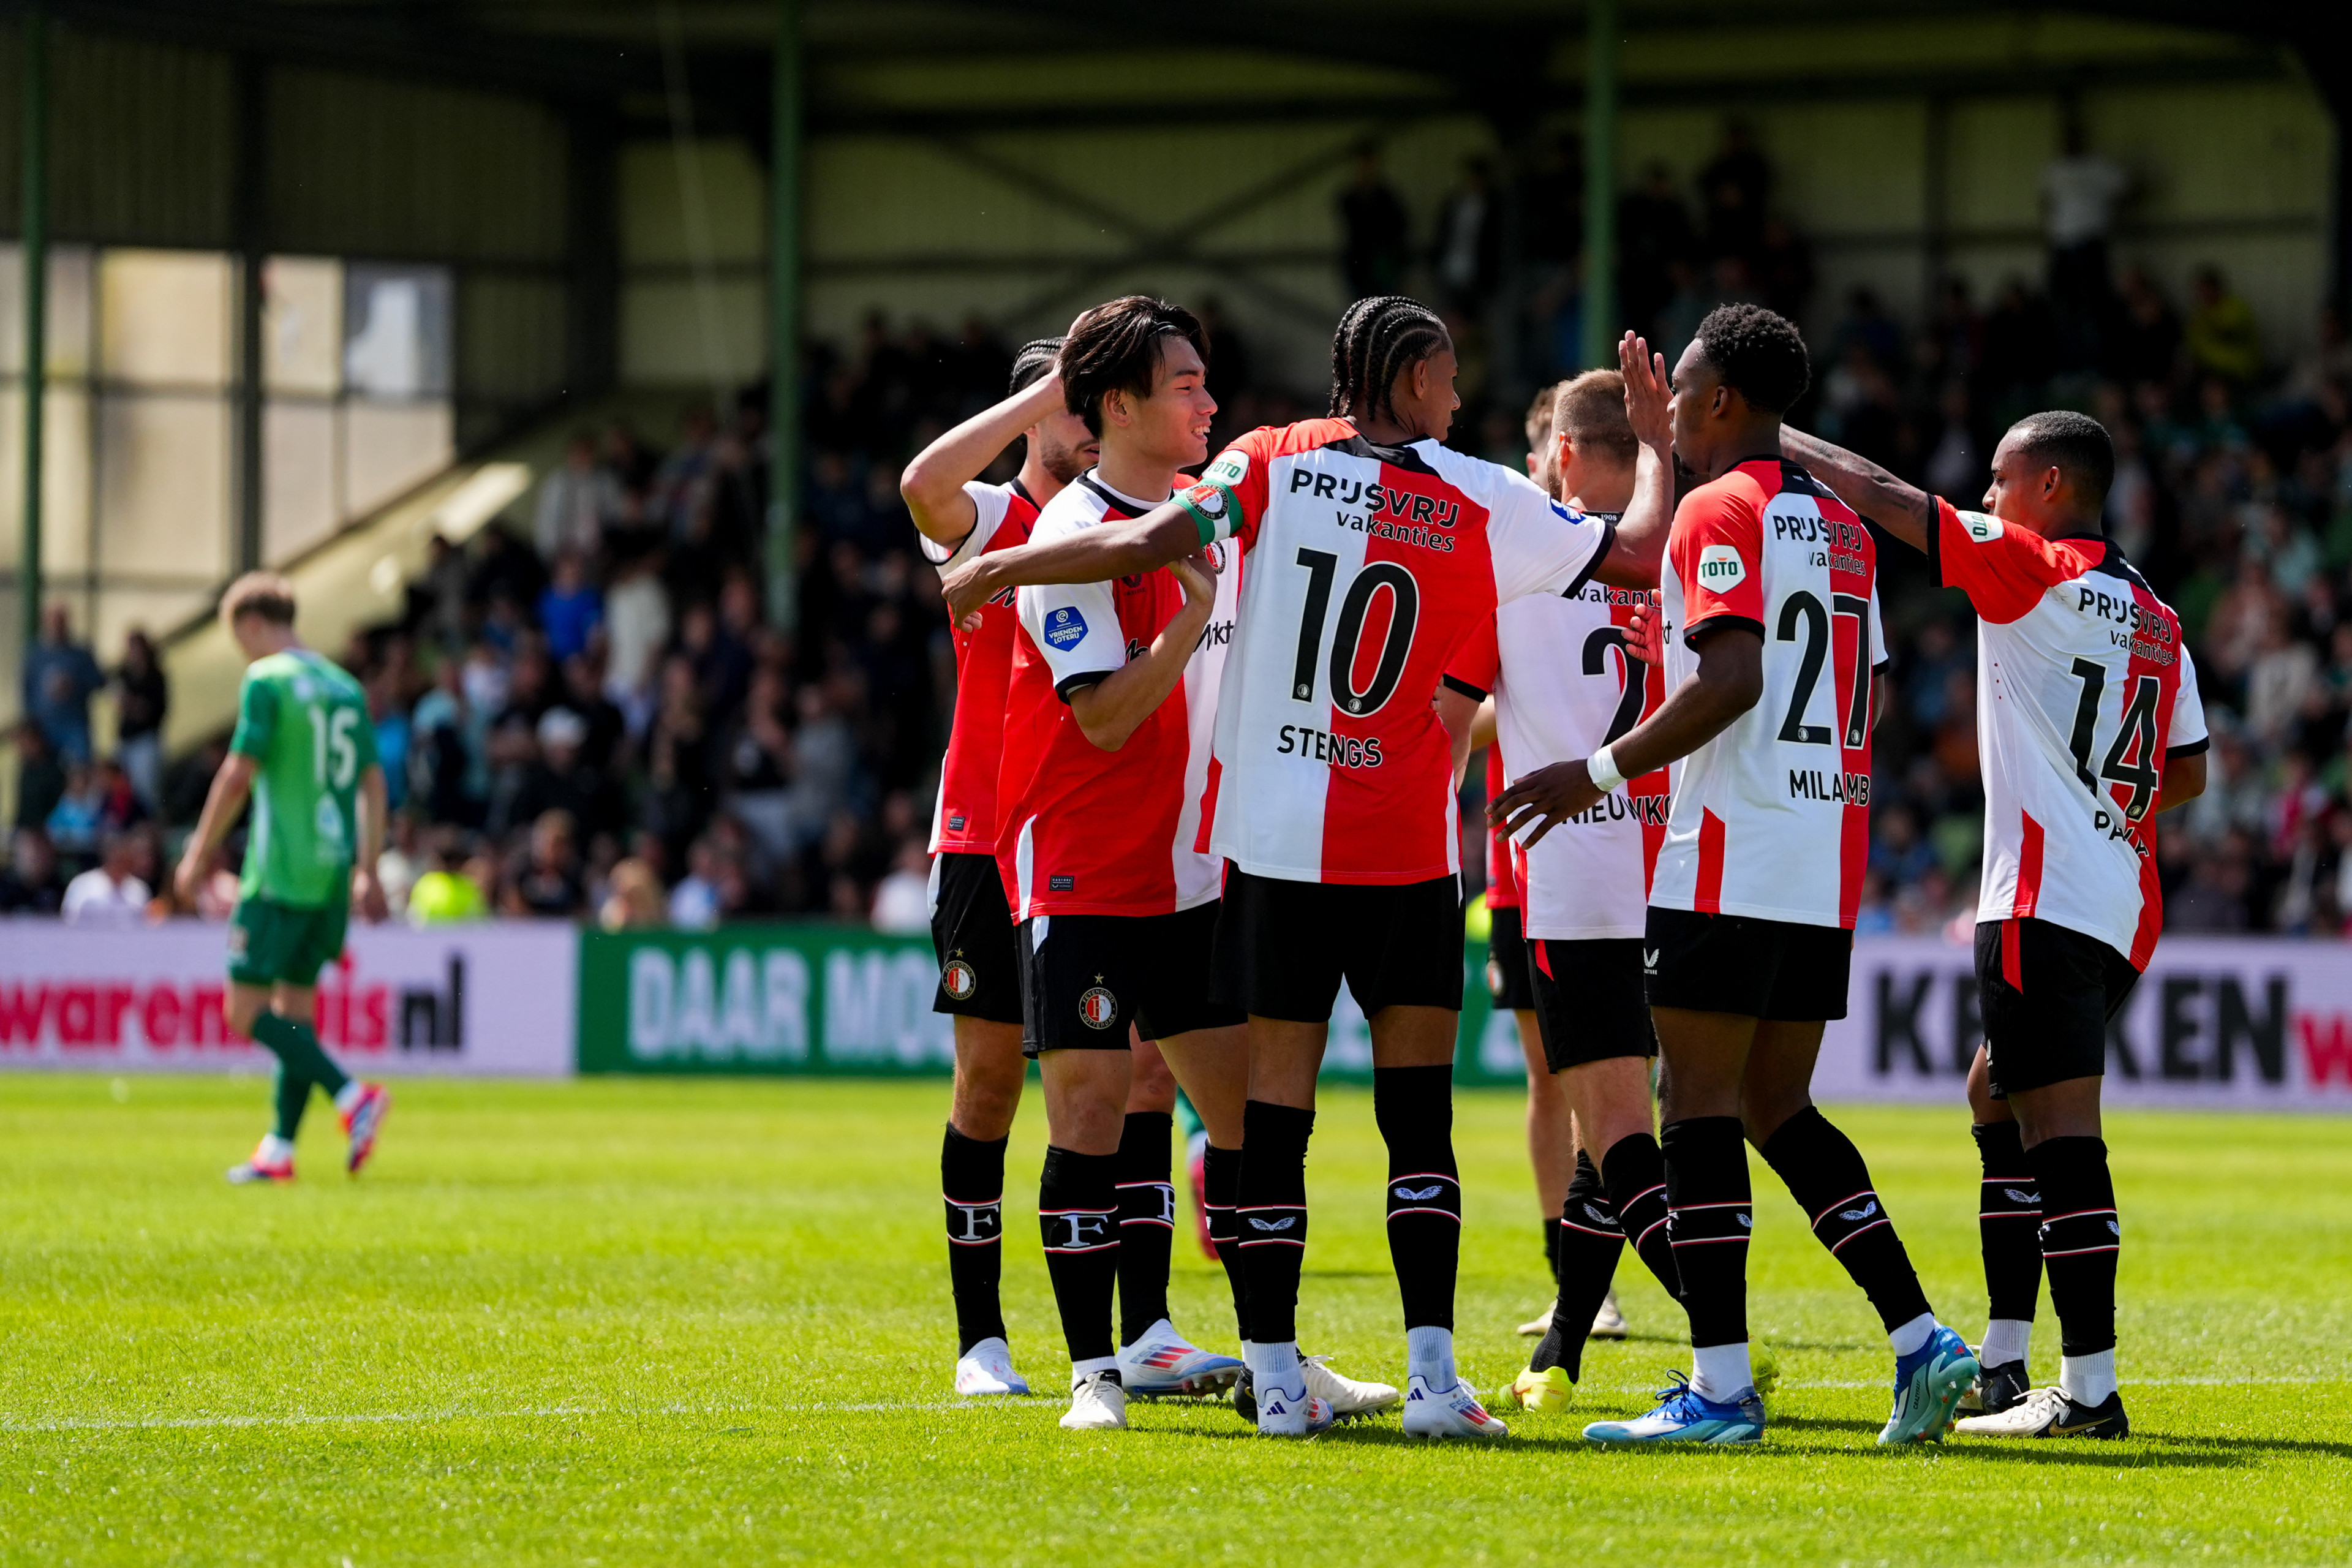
<point>1604,769</point>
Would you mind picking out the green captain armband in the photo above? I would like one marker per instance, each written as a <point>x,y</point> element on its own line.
<point>1215,508</point>
<point>1212,506</point>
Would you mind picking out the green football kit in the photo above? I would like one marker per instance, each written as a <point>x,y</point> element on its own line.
<point>304,721</point>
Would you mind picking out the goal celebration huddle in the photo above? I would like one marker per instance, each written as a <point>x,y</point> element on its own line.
<point>1207,741</point>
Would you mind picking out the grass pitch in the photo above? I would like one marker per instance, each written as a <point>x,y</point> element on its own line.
<point>612,1322</point>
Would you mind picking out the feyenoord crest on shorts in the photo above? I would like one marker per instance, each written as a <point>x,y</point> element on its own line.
<point>959,979</point>
<point>1098,1009</point>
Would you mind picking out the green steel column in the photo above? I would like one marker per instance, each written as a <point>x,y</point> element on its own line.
<point>784,320</point>
<point>36,194</point>
<point>1600,185</point>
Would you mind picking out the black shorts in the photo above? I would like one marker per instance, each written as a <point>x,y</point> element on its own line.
<point>1506,962</point>
<point>1084,978</point>
<point>1590,1003</point>
<point>971,932</point>
<point>2045,994</point>
<point>1776,970</point>
<point>1283,947</point>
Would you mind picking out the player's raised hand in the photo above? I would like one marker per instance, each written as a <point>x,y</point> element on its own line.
<point>1646,390</point>
<point>1646,631</point>
<point>1548,797</point>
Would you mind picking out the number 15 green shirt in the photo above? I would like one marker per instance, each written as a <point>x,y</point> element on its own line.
<point>305,723</point>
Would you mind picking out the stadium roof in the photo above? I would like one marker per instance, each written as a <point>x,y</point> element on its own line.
<point>1495,56</point>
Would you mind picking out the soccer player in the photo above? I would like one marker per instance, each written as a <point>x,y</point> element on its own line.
<point>1772,637</point>
<point>1552,1136</point>
<point>2090,724</point>
<point>1372,551</point>
<point>1114,681</point>
<point>304,751</point>
<point>1563,684</point>
<point>971,925</point>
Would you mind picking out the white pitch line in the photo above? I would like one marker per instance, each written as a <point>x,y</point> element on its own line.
<point>860,1408</point>
<point>109,1424</point>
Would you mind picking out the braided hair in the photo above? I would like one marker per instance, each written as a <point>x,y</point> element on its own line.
<point>1036,359</point>
<point>1378,339</point>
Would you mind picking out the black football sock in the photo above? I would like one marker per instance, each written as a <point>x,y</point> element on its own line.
<point>1077,1215</point>
<point>1414,1108</point>
<point>972,1179</point>
<point>1551,1248</point>
<point>2009,1224</point>
<point>1146,1221</point>
<point>1825,1173</point>
<point>289,1098</point>
<point>302,1062</point>
<point>1589,1244</point>
<point>2080,1240</point>
<point>1636,1175</point>
<point>1272,1215</point>
<point>1221,1180</point>
<point>1711,1211</point>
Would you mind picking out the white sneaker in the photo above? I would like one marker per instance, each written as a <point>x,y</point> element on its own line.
<point>1608,1323</point>
<point>987,1368</point>
<point>1097,1405</point>
<point>1346,1396</point>
<point>1164,1365</point>
<point>1539,1325</point>
<point>1281,1414</point>
<point>1451,1412</point>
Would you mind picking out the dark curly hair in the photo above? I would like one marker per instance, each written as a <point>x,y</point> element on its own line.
<point>1036,358</point>
<point>1759,355</point>
<point>2077,446</point>
<point>1116,347</point>
<point>1377,339</point>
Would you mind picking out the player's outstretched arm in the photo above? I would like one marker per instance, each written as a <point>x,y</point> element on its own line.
<point>1161,537</point>
<point>1640,542</point>
<point>1113,708</point>
<point>1729,679</point>
<point>1904,510</point>
<point>933,483</point>
<point>226,797</point>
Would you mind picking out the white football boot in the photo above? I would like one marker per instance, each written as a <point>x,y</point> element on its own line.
<point>1164,1365</point>
<point>1283,1413</point>
<point>1447,1413</point>
<point>987,1368</point>
<point>1347,1398</point>
<point>1540,1324</point>
<point>1608,1323</point>
<point>1098,1403</point>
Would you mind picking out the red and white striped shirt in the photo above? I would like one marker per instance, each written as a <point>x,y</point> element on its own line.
<point>964,820</point>
<point>2084,692</point>
<point>1564,685</point>
<point>1771,818</point>
<point>1089,831</point>
<point>1368,566</point>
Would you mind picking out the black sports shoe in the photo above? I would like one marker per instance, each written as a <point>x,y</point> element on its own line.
<point>1998,1388</point>
<point>2047,1412</point>
<point>1245,1398</point>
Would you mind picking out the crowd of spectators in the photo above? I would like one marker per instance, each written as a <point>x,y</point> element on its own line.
<point>2232,495</point>
<point>591,712</point>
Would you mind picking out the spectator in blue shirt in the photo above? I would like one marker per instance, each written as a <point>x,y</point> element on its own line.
<point>569,608</point>
<point>60,676</point>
